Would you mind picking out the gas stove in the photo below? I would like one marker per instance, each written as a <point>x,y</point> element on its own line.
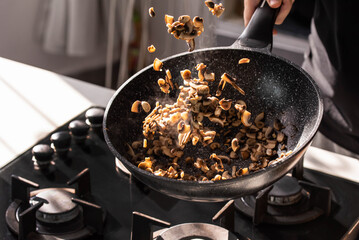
<point>69,186</point>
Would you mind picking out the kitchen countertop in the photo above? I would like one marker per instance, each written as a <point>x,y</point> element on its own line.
<point>35,102</point>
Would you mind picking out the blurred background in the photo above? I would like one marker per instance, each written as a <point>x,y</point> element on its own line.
<point>105,41</point>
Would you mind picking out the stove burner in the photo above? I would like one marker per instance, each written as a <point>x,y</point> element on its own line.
<point>197,231</point>
<point>286,191</point>
<point>53,213</point>
<point>142,227</point>
<point>287,202</point>
<point>58,207</point>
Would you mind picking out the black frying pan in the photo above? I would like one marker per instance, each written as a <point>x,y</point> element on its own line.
<point>273,85</point>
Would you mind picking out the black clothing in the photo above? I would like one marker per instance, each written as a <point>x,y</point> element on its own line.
<point>333,62</point>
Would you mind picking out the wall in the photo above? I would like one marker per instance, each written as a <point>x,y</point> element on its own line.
<point>18,40</point>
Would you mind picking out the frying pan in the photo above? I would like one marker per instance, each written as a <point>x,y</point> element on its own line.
<point>273,85</point>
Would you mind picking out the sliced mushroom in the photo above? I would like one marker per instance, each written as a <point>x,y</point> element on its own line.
<point>218,10</point>
<point>217,120</point>
<point>151,49</point>
<point>280,137</point>
<point>201,164</point>
<point>135,145</point>
<point>169,19</point>
<point>217,178</point>
<point>243,60</point>
<point>147,163</point>
<point>157,64</point>
<point>151,12</point>
<point>225,175</point>
<point>235,144</point>
<point>191,44</point>
<point>146,106</point>
<point>270,144</point>
<point>209,4</point>
<point>233,155</point>
<point>136,106</point>
<point>240,106</point>
<point>225,77</point>
<point>184,19</point>
<point>225,104</point>
<point>214,145</point>
<point>186,74</point>
<point>209,76</point>
<point>144,143</point>
<point>258,120</point>
<point>245,118</point>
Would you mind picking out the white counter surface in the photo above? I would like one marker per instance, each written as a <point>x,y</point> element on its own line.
<point>34,102</point>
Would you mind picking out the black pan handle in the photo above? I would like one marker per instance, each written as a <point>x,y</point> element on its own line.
<point>259,31</point>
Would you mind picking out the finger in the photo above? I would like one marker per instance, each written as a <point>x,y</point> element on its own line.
<point>249,8</point>
<point>274,3</point>
<point>284,11</point>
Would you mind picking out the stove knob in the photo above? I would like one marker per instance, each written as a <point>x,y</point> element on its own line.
<point>79,130</point>
<point>61,142</point>
<point>94,118</point>
<point>42,156</point>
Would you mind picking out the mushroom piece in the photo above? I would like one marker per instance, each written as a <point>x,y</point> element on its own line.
<point>240,106</point>
<point>209,4</point>
<point>151,49</point>
<point>201,69</point>
<point>225,104</point>
<point>151,12</point>
<point>144,143</point>
<point>135,145</point>
<point>235,144</point>
<point>225,175</point>
<point>218,10</point>
<point>209,76</point>
<point>215,9</point>
<point>182,127</point>
<point>164,86</point>
<point>217,178</point>
<point>225,77</point>
<point>198,23</point>
<point>195,140</point>
<point>270,144</point>
<point>245,118</point>
<point>184,19</point>
<point>169,19</point>
<point>268,132</point>
<point>157,64</point>
<point>201,164</point>
<point>217,120</point>
<point>136,106</point>
<point>191,44</point>
<point>280,137</point>
<point>169,78</point>
<point>258,120</point>
<point>233,155</point>
<point>146,106</point>
<point>172,173</point>
<point>214,145</point>
<point>243,60</point>
<point>147,163</point>
<point>242,171</point>
<point>186,74</point>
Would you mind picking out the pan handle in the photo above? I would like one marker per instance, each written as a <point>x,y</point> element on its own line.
<point>259,31</point>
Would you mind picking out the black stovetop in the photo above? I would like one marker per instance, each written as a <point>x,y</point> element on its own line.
<point>120,195</point>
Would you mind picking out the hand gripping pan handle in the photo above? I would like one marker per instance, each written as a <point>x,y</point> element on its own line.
<point>259,32</point>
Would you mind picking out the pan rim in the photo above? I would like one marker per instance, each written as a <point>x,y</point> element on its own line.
<point>228,181</point>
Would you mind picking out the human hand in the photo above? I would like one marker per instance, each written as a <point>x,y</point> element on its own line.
<point>251,5</point>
